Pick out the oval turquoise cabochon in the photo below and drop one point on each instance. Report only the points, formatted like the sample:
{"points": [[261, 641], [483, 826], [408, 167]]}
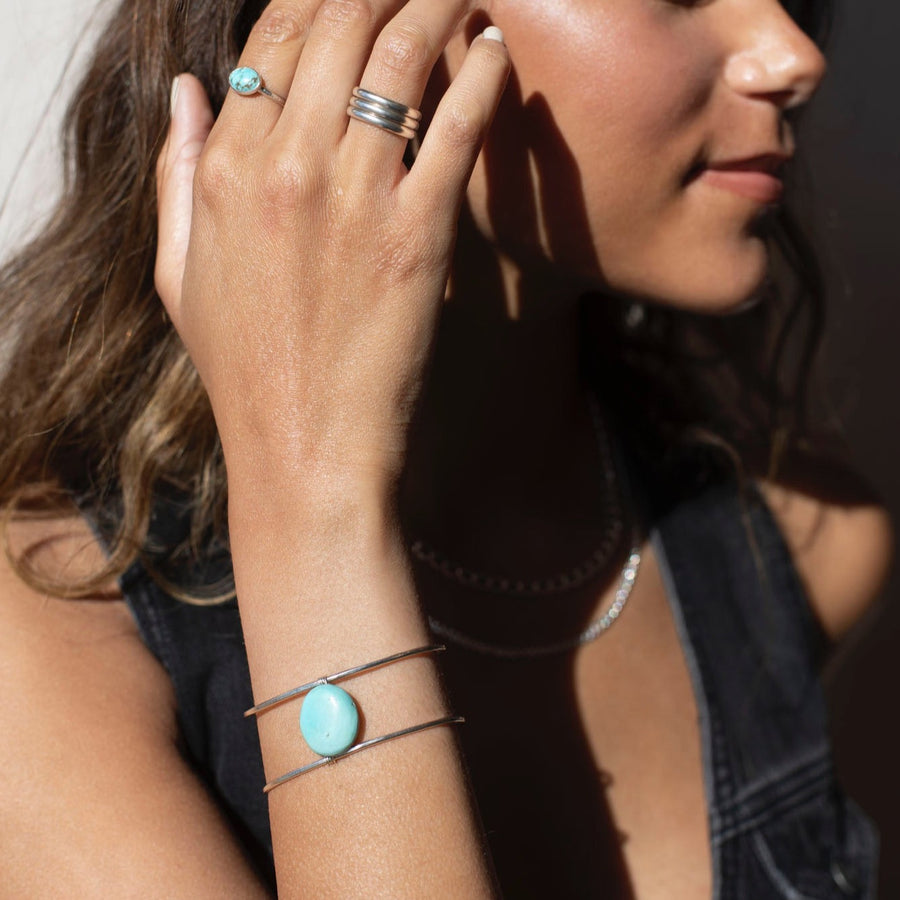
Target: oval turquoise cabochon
{"points": [[329, 720]]}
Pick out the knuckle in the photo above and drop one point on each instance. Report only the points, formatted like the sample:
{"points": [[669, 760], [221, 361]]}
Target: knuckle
{"points": [[280, 23], [408, 251], [460, 126], [495, 53], [215, 177], [344, 14], [285, 182], [404, 48], [187, 154]]}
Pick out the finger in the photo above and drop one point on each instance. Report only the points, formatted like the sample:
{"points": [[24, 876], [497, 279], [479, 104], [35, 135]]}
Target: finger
{"points": [[394, 62], [340, 40], [398, 69], [457, 131], [272, 49], [192, 119]]}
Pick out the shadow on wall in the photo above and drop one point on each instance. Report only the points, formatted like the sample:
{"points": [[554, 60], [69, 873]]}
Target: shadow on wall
{"points": [[851, 143]]}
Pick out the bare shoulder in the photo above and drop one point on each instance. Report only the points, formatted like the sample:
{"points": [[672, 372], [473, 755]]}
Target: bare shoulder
{"points": [[65, 548], [91, 778], [89, 638], [840, 535]]}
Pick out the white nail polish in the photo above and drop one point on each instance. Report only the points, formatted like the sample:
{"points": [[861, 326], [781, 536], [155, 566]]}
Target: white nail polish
{"points": [[173, 96], [492, 33]]}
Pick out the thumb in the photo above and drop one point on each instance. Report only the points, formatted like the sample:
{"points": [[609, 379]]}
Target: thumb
{"points": [[191, 122]]}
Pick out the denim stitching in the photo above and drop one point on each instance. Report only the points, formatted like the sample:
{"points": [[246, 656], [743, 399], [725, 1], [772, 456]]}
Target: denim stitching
{"points": [[785, 773], [764, 855], [801, 795]]}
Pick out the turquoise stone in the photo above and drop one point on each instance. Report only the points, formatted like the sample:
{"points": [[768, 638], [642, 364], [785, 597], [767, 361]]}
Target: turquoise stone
{"points": [[329, 720], [245, 80]]}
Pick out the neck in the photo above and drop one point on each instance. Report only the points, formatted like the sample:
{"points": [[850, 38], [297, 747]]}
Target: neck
{"points": [[503, 467]]}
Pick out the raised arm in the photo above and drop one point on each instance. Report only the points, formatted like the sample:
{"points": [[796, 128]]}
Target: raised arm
{"points": [[304, 268]]}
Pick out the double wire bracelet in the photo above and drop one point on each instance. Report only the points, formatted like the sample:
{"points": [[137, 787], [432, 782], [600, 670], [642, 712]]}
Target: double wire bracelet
{"points": [[329, 718]]}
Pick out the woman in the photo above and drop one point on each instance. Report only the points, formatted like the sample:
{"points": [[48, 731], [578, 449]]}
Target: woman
{"points": [[411, 375]]}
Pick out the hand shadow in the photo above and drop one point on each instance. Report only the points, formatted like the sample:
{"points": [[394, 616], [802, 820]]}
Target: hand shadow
{"points": [[540, 794]]}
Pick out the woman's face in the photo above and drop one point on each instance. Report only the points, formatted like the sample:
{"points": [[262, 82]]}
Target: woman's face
{"points": [[603, 155]]}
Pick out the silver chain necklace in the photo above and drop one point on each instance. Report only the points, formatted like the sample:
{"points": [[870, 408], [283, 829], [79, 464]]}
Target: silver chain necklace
{"points": [[555, 584], [592, 632]]}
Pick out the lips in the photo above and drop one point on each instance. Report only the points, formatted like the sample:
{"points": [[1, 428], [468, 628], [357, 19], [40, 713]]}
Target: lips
{"points": [[755, 178]]}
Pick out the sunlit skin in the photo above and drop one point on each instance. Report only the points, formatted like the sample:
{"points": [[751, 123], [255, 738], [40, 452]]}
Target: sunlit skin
{"points": [[305, 287], [586, 182], [639, 91], [305, 271]]}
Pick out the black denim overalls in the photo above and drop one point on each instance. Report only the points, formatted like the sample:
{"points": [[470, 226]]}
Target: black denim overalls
{"points": [[781, 827]]}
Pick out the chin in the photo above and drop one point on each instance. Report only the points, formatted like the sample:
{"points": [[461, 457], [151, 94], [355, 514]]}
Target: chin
{"points": [[719, 284]]}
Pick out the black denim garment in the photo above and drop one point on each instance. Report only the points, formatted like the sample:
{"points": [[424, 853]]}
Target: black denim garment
{"points": [[781, 827]]}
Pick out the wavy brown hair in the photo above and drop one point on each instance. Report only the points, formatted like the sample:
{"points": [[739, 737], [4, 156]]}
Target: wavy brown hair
{"points": [[102, 409]]}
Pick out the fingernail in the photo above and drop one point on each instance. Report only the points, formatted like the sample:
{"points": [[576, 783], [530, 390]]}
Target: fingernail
{"points": [[173, 96], [492, 33]]}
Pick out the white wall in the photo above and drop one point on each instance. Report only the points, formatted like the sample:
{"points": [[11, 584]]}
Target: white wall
{"points": [[36, 41]]}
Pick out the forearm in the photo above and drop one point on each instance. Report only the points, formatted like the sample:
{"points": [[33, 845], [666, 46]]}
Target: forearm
{"points": [[305, 268], [325, 585]]}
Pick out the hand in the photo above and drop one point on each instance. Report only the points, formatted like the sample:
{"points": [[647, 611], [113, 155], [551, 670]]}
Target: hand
{"points": [[303, 266]]}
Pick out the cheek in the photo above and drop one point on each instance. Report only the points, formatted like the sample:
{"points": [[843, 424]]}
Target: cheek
{"points": [[626, 84], [634, 132], [637, 126], [617, 99]]}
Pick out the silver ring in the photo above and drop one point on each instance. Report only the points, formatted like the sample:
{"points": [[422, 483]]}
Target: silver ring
{"points": [[400, 108], [247, 82], [389, 115]]}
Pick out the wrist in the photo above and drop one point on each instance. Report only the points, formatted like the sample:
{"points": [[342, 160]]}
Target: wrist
{"points": [[283, 474], [308, 508], [318, 555]]}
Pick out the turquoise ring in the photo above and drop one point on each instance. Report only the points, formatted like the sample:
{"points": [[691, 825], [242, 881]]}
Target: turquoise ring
{"points": [[247, 82]]}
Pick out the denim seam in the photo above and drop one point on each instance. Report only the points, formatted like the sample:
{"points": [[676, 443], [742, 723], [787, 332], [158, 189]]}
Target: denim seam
{"points": [[803, 794], [786, 773], [700, 699], [779, 879]]}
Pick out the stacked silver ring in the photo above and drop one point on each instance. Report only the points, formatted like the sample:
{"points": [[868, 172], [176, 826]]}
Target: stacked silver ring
{"points": [[373, 109]]}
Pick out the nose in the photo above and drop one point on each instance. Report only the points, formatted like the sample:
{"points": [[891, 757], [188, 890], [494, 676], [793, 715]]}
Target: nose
{"points": [[775, 59]]}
